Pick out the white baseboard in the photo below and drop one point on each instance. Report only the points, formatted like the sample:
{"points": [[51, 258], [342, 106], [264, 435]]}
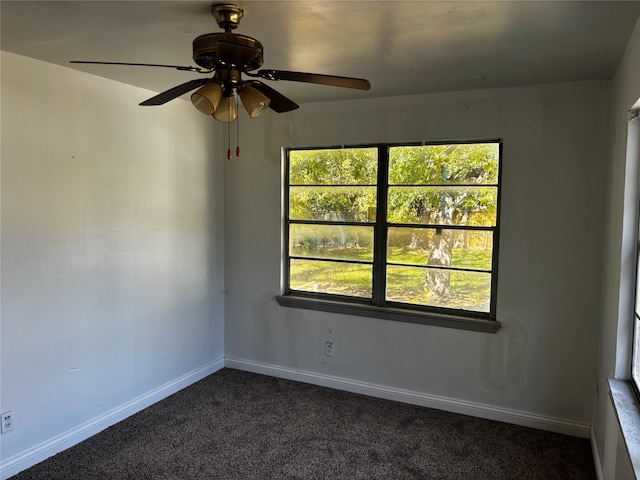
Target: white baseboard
{"points": [[516, 417], [596, 455], [30, 457]]}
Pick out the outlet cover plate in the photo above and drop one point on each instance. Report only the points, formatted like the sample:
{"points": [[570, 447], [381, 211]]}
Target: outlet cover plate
{"points": [[7, 422], [328, 349]]}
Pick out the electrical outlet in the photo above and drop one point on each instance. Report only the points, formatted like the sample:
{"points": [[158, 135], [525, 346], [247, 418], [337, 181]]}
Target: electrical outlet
{"points": [[7, 421], [328, 349]]}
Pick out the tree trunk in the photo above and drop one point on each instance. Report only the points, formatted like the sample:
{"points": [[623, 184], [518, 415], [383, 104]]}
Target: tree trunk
{"points": [[437, 281]]}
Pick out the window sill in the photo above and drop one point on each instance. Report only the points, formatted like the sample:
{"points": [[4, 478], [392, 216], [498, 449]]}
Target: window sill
{"points": [[627, 410], [394, 314]]}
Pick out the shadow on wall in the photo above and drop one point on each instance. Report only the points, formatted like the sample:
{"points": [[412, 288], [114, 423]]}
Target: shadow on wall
{"points": [[282, 348], [503, 371]]}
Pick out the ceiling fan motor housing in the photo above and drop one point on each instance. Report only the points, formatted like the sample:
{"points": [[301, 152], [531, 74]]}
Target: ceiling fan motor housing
{"points": [[228, 49]]}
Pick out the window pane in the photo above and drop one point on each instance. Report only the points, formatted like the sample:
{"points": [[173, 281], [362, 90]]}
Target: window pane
{"points": [[637, 292], [475, 163], [443, 205], [635, 365], [350, 204], [339, 242], [470, 249], [339, 278], [439, 288], [351, 166]]}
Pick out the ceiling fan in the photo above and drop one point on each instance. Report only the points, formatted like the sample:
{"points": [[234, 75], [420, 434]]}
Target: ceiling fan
{"points": [[228, 56]]}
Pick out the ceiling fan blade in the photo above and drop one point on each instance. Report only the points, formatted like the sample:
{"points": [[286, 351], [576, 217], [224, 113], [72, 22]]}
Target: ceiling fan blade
{"points": [[177, 67], [174, 92], [332, 80], [279, 103]]}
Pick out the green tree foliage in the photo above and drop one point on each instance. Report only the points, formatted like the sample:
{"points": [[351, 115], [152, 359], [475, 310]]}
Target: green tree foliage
{"points": [[347, 166], [332, 184], [350, 204], [458, 170]]}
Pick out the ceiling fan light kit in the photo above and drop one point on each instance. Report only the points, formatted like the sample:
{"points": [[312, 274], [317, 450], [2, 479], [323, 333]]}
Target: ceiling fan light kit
{"points": [[228, 55], [207, 99], [227, 110], [254, 101]]}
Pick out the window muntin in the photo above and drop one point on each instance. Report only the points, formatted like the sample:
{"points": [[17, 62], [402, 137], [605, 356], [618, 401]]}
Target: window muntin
{"points": [[409, 226]]}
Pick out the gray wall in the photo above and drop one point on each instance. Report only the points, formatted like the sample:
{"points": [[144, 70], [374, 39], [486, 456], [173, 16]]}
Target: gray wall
{"points": [[112, 252], [539, 369]]}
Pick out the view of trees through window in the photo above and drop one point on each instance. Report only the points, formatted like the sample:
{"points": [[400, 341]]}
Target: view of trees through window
{"points": [[399, 224]]}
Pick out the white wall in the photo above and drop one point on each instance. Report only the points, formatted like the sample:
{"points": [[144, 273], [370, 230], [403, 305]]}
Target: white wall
{"points": [[112, 252], [540, 366], [614, 345]]}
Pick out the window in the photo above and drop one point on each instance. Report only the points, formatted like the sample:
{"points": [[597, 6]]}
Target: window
{"points": [[635, 366], [625, 395], [397, 228], [632, 204]]}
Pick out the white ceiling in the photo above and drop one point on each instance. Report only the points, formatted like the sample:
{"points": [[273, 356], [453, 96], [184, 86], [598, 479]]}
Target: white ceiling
{"points": [[401, 47]]}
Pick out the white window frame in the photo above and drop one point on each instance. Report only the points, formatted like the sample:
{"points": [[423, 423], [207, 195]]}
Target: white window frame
{"points": [[633, 219], [624, 390]]}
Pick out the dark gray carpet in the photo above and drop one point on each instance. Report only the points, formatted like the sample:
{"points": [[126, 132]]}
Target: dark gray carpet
{"points": [[238, 425]]}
